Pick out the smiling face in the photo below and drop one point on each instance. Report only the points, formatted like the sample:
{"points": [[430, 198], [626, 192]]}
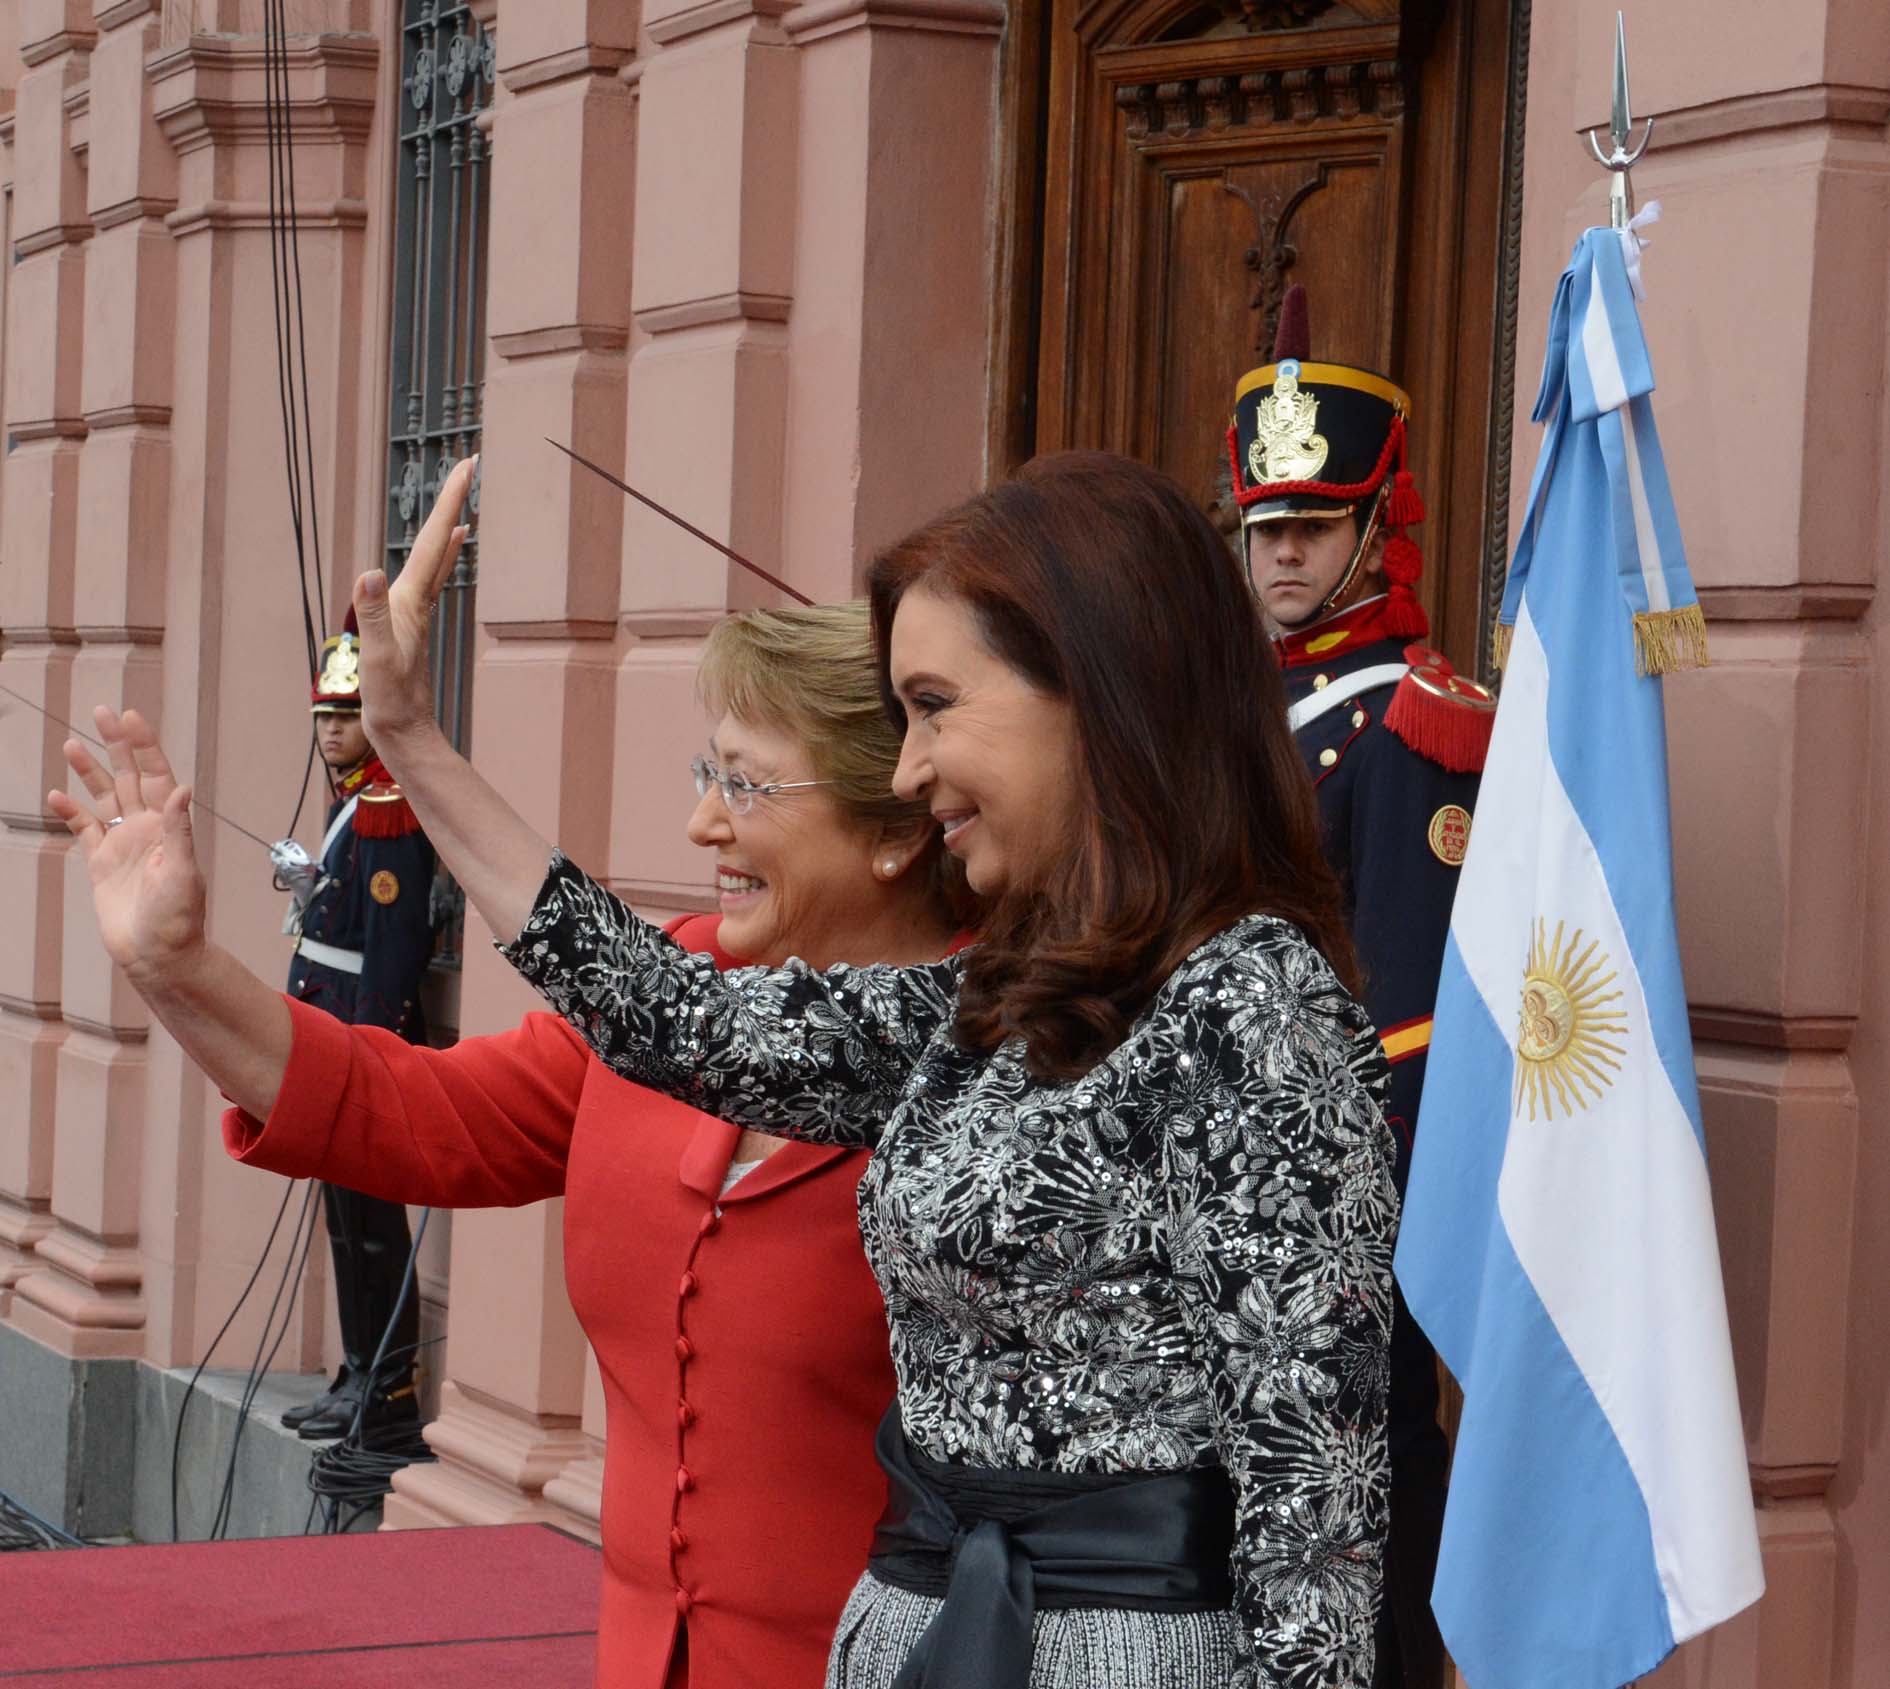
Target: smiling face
{"points": [[1296, 562], [341, 738], [795, 876], [995, 759]]}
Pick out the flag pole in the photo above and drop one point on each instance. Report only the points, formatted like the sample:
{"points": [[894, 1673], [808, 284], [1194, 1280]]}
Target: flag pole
{"points": [[1623, 152]]}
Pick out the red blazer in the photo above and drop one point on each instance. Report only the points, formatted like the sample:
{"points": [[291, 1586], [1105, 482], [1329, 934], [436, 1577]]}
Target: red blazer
{"points": [[743, 1353]]}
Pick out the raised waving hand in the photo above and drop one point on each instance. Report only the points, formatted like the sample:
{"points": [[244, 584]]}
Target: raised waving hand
{"points": [[136, 837]]}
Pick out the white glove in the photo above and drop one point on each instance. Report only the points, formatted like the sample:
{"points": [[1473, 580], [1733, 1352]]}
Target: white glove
{"points": [[295, 873]]}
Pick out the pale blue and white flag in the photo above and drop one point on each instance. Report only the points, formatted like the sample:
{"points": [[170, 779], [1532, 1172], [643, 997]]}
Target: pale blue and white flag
{"points": [[1558, 1242]]}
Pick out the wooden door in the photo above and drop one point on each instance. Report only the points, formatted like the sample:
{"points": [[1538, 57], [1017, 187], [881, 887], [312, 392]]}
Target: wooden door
{"points": [[1184, 162]]}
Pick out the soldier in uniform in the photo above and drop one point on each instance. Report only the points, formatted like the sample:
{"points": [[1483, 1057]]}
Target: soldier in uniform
{"points": [[1394, 741], [364, 936]]}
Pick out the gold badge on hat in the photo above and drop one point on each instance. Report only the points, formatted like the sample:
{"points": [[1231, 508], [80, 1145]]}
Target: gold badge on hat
{"points": [[1449, 835], [341, 668], [1286, 446], [384, 887]]}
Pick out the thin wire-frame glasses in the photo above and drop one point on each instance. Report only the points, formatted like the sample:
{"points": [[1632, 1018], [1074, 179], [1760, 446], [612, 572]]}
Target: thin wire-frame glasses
{"points": [[738, 791]]}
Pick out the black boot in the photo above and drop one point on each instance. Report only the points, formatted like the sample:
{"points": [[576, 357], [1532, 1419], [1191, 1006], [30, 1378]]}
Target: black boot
{"points": [[296, 1417], [369, 1242]]}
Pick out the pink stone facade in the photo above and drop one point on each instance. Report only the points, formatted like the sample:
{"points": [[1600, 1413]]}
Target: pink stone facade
{"points": [[743, 250]]}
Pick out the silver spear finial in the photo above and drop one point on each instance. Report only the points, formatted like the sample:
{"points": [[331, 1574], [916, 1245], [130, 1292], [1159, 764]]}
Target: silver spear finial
{"points": [[1624, 153]]}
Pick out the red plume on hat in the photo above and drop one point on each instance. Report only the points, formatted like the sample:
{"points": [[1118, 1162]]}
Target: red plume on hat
{"points": [[1293, 338]]}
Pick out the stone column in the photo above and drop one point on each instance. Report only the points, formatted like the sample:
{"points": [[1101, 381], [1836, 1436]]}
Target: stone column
{"points": [[557, 313]]}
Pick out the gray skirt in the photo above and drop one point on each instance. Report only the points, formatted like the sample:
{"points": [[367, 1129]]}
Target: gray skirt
{"points": [[1078, 1648]]}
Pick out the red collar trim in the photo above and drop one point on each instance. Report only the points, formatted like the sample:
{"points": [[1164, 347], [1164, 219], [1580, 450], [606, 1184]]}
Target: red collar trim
{"points": [[1321, 641], [373, 772]]}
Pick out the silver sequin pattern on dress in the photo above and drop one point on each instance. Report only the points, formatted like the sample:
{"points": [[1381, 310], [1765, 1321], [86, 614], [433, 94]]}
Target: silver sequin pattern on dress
{"points": [[1180, 1259]]}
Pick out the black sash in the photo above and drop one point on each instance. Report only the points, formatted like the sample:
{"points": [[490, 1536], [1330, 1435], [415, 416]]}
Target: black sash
{"points": [[999, 1544]]}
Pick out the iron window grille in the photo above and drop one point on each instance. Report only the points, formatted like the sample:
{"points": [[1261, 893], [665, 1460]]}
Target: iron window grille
{"points": [[442, 196]]}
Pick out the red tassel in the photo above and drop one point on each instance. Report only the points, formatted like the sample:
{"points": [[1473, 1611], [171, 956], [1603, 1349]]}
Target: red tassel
{"points": [[1403, 506], [1452, 735], [1404, 615], [1403, 561], [383, 813]]}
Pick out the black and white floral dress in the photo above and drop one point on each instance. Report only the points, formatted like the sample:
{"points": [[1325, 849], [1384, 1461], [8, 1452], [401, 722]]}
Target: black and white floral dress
{"points": [[1181, 1259]]}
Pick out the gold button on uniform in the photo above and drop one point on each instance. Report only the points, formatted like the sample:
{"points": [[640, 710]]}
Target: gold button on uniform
{"points": [[1358, 718], [1328, 757], [1321, 681]]}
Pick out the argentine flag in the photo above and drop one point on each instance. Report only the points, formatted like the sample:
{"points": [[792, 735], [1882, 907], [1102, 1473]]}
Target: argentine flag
{"points": [[1558, 1243]]}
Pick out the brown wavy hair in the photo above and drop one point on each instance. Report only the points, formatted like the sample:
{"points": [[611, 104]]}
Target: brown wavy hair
{"points": [[1098, 581]]}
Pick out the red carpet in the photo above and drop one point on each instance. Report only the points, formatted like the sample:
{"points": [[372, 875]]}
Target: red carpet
{"points": [[510, 1604]]}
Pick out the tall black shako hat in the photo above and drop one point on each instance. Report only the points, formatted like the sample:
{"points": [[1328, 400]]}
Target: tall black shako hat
{"points": [[1311, 439], [337, 688]]}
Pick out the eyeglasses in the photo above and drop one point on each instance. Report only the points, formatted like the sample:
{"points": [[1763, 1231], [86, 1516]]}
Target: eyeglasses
{"points": [[738, 791]]}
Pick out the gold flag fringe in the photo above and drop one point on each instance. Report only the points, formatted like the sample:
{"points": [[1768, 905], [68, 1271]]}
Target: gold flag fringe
{"points": [[1666, 640], [1500, 636]]}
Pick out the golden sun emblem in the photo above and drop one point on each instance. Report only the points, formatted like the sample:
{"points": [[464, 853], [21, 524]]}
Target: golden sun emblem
{"points": [[1568, 1037]]}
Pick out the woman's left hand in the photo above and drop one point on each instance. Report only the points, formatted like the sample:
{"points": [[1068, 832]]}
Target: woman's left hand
{"points": [[396, 622]]}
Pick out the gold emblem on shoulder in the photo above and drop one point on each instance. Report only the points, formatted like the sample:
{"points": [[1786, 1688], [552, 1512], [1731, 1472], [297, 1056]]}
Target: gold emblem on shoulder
{"points": [[1567, 1038], [1449, 835], [1286, 446], [384, 888]]}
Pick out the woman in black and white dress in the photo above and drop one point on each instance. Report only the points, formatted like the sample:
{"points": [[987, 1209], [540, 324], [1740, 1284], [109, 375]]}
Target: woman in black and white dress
{"points": [[1130, 1201]]}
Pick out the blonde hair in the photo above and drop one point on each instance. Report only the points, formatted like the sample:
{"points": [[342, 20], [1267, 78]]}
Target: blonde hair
{"points": [[812, 672]]}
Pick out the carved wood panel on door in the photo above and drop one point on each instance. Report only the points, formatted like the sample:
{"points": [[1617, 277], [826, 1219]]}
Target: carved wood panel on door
{"points": [[1184, 162]]}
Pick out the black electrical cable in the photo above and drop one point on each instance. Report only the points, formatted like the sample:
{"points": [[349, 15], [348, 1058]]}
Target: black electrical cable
{"points": [[294, 1264], [286, 298], [360, 1467], [183, 1407]]}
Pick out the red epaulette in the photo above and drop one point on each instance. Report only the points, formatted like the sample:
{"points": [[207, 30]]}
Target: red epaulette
{"points": [[383, 812], [1444, 717]]}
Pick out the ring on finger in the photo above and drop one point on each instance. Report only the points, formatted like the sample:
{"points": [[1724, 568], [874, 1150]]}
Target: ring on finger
{"points": [[114, 821]]}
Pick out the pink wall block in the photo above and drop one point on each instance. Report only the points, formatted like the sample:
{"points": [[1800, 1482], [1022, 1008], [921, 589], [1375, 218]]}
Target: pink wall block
{"points": [[128, 160], [1766, 813], [130, 315], [46, 309], [123, 530], [29, 1051], [650, 854], [48, 185], [724, 108], [98, 1155], [549, 544], [541, 29], [525, 1347], [559, 259], [31, 871], [707, 416], [1782, 1142], [33, 764]]}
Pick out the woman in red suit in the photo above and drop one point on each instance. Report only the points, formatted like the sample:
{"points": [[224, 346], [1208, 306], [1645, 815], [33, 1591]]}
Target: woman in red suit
{"points": [[728, 1551]]}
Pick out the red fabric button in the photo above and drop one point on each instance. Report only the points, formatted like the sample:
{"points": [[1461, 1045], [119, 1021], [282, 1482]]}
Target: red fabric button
{"points": [[683, 1603], [684, 1349], [685, 1415], [688, 1285], [711, 1224], [677, 1542], [684, 1483]]}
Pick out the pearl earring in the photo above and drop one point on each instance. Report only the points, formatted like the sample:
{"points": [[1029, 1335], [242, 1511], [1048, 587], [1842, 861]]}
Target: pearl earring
{"points": [[892, 867]]}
